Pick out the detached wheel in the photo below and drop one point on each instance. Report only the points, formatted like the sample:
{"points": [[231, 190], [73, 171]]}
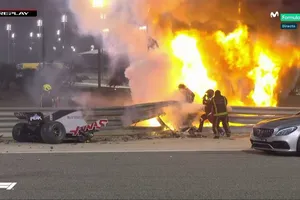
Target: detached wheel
{"points": [[53, 133], [19, 132]]}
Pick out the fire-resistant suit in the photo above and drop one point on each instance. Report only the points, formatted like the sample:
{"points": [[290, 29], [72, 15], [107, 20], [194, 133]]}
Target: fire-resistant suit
{"points": [[220, 114], [189, 97], [208, 110]]}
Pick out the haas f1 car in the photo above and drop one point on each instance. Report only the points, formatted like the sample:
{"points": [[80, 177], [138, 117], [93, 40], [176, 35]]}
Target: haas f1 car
{"points": [[55, 128]]}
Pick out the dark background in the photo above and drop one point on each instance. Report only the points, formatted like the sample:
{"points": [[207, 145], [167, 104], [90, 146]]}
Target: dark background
{"points": [[50, 11]]}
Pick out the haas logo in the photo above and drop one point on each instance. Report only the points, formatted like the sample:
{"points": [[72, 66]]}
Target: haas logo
{"points": [[90, 127]]}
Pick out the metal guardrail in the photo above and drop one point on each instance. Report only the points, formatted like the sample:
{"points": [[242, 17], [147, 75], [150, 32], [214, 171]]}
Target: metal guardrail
{"points": [[265, 110], [85, 84], [253, 115], [124, 116]]}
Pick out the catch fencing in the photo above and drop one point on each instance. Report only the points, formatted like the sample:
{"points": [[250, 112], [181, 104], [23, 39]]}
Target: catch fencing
{"points": [[241, 118]]}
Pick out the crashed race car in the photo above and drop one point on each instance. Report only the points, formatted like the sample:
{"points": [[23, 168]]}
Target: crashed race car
{"points": [[55, 128]]}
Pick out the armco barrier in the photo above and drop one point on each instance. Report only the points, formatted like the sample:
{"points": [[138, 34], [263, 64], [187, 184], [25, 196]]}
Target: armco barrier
{"points": [[252, 115], [265, 110], [122, 117]]}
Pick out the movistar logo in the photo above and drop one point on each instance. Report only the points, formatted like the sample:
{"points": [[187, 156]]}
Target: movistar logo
{"points": [[274, 14]]}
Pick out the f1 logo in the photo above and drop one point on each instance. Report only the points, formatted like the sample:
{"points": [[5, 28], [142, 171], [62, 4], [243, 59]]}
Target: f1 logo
{"points": [[7, 185], [274, 14]]}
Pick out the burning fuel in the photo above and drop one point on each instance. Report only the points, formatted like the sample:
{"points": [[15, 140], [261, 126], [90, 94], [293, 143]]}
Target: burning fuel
{"points": [[254, 62], [193, 73], [265, 77]]}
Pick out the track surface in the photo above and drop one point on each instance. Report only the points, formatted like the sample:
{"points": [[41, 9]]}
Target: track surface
{"points": [[159, 175]]}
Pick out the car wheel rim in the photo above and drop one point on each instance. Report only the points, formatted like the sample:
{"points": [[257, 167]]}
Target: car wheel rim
{"points": [[56, 131]]}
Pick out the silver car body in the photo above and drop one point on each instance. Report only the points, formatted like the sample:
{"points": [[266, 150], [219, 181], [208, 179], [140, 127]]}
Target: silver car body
{"points": [[279, 135]]}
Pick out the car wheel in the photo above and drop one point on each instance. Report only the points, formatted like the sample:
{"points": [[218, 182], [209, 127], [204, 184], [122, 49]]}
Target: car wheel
{"points": [[53, 132], [19, 132]]}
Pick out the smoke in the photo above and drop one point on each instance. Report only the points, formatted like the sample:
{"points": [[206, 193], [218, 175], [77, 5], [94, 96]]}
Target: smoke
{"points": [[118, 28], [92, 100], [150, 74], [35, 79], [141, 75]]}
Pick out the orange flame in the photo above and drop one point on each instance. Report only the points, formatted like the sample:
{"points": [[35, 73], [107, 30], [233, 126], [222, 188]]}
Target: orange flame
{"points": [[194, 73], [150, 122], [265, 77], [235, 46], [243, 54], [251, 60]]}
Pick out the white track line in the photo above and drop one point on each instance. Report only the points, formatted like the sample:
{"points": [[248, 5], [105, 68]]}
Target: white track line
{"points": [[124, 151]]}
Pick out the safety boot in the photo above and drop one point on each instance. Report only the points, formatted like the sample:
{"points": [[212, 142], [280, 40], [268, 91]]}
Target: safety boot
{"points": [[216, 137]]}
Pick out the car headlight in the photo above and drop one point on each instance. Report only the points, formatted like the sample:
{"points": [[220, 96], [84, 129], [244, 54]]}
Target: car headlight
{"points": [[285, 131]]}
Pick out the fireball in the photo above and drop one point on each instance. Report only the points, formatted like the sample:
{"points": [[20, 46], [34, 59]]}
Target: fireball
{"points": [[265, 77], [235, 46], [193, 72], [252, 61], [245, 56]]}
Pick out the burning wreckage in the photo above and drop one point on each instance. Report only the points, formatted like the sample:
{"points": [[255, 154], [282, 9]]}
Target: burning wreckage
{"points": [[267, 70], [80, 125]]}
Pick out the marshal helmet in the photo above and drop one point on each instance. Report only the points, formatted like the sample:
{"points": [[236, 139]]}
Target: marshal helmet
{"points": [[47, 87], [210, 93]]}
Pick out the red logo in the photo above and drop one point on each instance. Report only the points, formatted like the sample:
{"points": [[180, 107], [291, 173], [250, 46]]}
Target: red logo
{"points": [[90, 127]]}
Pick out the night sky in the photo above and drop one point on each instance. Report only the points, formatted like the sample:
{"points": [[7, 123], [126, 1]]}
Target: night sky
{"points": [[51, 11], [48, 10]]}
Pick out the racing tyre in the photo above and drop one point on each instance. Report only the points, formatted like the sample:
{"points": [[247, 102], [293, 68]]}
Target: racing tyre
{"points": [[53, 132], [19, 132]]}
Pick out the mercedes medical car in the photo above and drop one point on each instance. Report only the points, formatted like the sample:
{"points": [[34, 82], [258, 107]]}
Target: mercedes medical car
{"points": [[277, 135]]}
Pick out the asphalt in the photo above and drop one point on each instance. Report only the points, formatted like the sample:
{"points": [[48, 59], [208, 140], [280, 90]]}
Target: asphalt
{"points": [[174, 175]]}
